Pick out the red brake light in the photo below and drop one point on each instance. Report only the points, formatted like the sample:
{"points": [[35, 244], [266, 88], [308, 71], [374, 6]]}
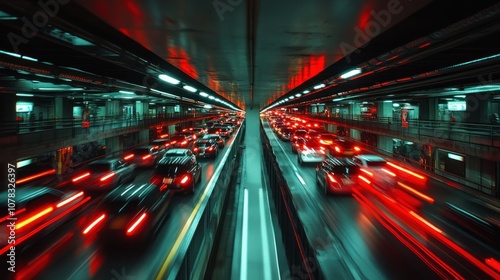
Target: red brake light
{"points": [[146, 157], [357, 149], [184, 143], [185, 179], [81, 177], [211, 148], [337, 149], [129, 156], [195, 149], [68, 200], [94, 223], [107, 176], [330, 177], [135, 225]]}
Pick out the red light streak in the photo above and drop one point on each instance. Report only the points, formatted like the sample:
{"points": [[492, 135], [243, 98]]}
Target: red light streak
{"points": [[48, 172], [17, 213], [185, 179], [131, 229], [366, 171], [128, 157], [493, 263], [417, 193], [388, 172], [81, 177], [34, 217], [94, 223], [429, 224], [364, 179], [146, 157], [62, 203], [108, 176], [406, 170]]}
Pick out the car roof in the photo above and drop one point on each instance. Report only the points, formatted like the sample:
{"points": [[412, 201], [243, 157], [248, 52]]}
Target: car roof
{"points": [[104, 161], [369, 157], [179, 151], [180, 160], [129, 192], [206, 136], [339, 161]]}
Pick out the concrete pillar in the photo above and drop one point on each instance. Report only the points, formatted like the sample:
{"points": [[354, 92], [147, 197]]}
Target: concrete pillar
{"points": [[63, 108], [384, 143], [8, 112], [144, 136], [114, 144], [141, 109], [355, 109], [428, 109], [384, 109], [114, 108]]}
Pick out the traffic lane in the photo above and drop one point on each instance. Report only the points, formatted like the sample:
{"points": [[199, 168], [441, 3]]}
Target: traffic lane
{"points": [[83, 258], [367, 247]]}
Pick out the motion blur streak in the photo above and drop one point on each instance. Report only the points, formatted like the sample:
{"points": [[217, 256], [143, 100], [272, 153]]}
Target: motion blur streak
{"points": [[406, 170], [417, 193], [388, 172], [366, 171], [132, 228], [433, 261], [43, 260], [81, 177], [48, 172], [62, 203], [33, 232], [35, 217], [493, 263], [108, 176], [425, 222], [17, 213], [364, 179], [94, 223]]}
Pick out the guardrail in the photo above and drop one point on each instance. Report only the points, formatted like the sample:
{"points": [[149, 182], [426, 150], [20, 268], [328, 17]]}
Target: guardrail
{"points": [[198, 236], [298, 250]]}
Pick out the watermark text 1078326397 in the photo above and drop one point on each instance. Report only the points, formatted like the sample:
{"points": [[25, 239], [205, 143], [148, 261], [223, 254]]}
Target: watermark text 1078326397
{"points": [[11, 217]]}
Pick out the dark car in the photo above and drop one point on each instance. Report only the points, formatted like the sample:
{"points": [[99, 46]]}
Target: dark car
{"points": [[206, 148], [162, 143], [128, 213], [220, 141], [177, 174], [144, 156], [102, 175], [286, 133], [297, 144], [38, 211], [299, 133], [180, 141], [342, 147], [337, 175]]}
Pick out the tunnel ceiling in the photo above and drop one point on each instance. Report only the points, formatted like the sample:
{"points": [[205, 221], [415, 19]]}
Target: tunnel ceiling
{"points": [[253, 53]]}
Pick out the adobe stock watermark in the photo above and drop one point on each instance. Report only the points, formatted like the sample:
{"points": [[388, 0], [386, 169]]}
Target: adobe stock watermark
{"points": [[39, 20], [222, 6], [373, 28]]}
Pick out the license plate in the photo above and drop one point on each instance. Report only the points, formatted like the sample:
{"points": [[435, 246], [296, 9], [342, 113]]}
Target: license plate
{"points": [[347, 181], [167, 181], [118, 223]]}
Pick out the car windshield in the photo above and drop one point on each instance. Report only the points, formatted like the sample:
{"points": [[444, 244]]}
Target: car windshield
{"points": [[300, 133], [175, 153], [203, 144], [99, 167]]}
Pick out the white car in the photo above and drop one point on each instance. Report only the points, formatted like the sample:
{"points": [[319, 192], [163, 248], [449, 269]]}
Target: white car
{"points": [[310, 153], [370, 161], [178, 152]]}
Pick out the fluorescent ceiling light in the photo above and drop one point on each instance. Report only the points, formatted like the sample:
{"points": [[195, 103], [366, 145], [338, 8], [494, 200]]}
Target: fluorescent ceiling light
{"points": [[204, 94], [24, 94], [11, 53], [388, 101], [211, 97], [459, 96], [291, 97], [206, 106], [29, 58], [168, 79], [189, 88], [305, 92], [351, 73], [338, 99], [319, 86], [60, 89], [126, 92], [298, 95]]}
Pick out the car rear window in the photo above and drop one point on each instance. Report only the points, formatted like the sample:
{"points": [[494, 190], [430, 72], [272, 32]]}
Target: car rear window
{"points": [[99, 167], [170, 170], [141, 151], [346, 170]]}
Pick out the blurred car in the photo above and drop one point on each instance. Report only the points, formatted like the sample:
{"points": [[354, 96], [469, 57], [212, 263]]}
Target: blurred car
{"points": [[177, 174], [179, 141], [38, 212], [370, 161], [206, 148], [286, 133], [220, 141], [299, 133], [298, 144], [179, 153], [327, 139], [128, 213], [337, 175], [223, 131], [162, 143], [190, 134], [144, 156], [311, 151], [200, 131], [102, 175], [342, 147]]}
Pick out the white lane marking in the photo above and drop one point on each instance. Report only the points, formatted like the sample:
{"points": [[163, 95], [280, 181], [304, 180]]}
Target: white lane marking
{"points": [[244, 238], [263, 234], [302, 181], [272, 232]]}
